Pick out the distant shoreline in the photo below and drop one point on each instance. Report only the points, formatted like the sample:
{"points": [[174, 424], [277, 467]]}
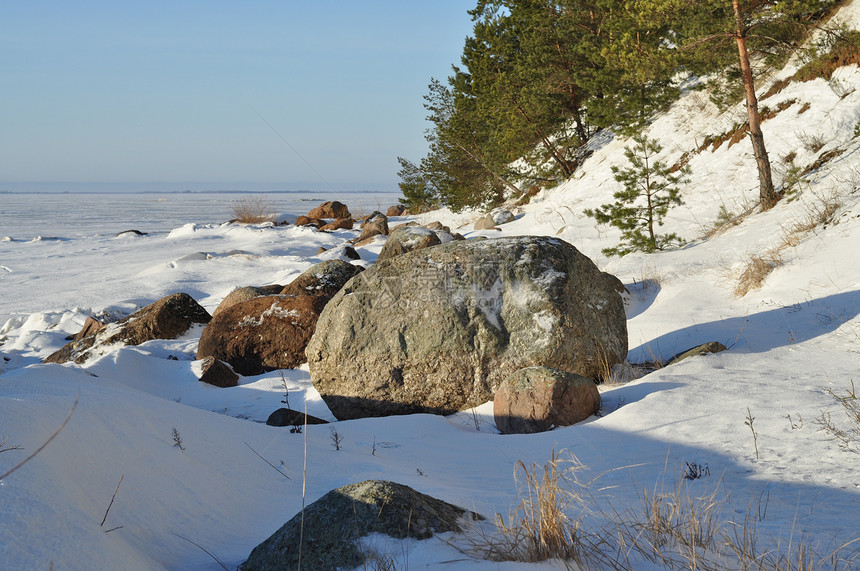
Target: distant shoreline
{"points": [[223, 191], [236, 187]]}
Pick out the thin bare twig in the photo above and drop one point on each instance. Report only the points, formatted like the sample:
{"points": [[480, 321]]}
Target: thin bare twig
{"points": [[48, 441], [104, 519], [204, 550], [267, 462]]}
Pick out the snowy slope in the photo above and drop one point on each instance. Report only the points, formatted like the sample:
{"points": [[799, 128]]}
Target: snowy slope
{"points": [[790, 341]]}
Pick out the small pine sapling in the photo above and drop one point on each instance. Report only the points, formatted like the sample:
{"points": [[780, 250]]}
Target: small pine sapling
{"points": [[336, 439], [649, 190], [177, 439]]}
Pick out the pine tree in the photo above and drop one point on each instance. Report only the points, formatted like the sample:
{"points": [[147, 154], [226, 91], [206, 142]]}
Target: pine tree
{"points": [[649, 190], [419, 194], [712, 29]]}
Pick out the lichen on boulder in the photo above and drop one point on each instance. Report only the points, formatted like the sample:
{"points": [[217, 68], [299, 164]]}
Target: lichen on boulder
{"points": [[437, 330]]}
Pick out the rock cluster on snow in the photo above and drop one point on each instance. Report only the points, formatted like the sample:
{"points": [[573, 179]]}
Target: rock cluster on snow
{"points": [[167, 318]]}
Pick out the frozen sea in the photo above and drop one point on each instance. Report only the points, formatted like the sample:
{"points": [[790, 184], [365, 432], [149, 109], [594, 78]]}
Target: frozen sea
{"points": [[26, 216]]}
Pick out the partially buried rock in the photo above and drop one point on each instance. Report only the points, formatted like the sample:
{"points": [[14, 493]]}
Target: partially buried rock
{"points": [[704, 349], [125, 233], [322, 280], [339, 252], [501, 215], [536, 399], [290, 417], [339, 224], [91, 327], [396, 210], [326, 534], [271, 332], [437, 330], [330, 209], [374, 225], [167, 318], [218, 373], [406, 239], [306, 221]]}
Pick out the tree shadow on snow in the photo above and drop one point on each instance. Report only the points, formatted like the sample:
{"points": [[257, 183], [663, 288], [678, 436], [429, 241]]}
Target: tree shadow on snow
{"points": [[639, 297], [780, 326]]}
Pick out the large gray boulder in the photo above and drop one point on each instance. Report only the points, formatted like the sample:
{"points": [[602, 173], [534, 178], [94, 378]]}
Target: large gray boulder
{"points": [[437, 330], [330, 527]]}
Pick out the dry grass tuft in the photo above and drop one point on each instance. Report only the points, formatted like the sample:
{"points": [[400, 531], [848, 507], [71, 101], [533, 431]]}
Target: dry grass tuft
{"points": [[754, 273], [540, 528], [848, 438], [673, 527], [253, 210], [819, 212], [812, 143], [676, 528]]}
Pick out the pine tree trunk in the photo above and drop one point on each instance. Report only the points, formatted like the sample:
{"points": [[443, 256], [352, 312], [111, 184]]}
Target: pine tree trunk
{"points": [[767, 194], [490, 171]]}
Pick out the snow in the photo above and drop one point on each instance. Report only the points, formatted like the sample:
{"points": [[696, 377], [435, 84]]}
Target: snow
{"points": [[790, 343]]}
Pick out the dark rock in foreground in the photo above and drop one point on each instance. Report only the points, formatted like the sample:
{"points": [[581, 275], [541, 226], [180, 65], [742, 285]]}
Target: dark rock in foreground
{"points": [[290, 417], [333, 524], [437, 330], [218, 373]]}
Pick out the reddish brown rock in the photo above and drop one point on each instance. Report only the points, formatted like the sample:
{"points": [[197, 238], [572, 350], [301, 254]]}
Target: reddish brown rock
{"points": [[91, 327], [330, 209], [167, 318], [218, 373], [244, 294], [396, 210], [262, 334], [308, 221], [536, 399], [339, 224], [374, 225]]}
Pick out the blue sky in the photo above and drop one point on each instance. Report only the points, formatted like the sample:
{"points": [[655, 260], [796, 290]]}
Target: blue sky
{"points": [[161, 91]]}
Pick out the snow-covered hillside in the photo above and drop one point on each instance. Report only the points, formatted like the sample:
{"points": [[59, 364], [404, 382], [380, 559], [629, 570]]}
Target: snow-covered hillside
{"points": [[752, 414]]}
